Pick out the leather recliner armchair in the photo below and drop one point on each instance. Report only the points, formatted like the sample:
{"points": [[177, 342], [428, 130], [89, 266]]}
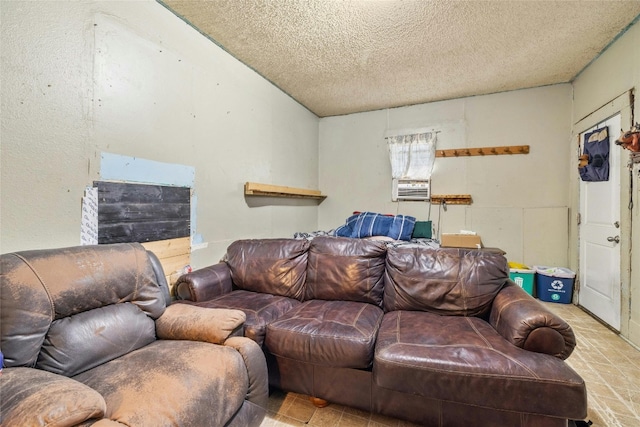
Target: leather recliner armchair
{"points": [[89, 338]]}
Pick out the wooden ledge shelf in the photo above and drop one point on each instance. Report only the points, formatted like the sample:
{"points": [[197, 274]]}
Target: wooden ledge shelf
{"points": [[266, 190], [483, 151], [451, 199]]}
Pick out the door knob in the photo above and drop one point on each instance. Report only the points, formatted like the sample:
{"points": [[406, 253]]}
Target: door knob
{"points": [[613, 239]]}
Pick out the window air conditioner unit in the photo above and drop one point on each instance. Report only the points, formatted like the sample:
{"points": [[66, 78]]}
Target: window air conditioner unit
{"points": [[411, 190]]}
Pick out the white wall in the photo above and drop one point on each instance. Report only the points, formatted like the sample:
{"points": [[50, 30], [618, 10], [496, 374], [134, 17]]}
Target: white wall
{"points": [[520, 202], [130, 78], [615, 72]]}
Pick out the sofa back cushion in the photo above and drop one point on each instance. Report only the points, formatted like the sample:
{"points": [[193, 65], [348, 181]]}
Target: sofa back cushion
{"points": [[271, 266], [112, 330], [346, 269], [61, 308], [458, 282]]}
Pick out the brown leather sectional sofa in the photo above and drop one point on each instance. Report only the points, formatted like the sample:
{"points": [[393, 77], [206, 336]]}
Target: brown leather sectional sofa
{"points": [[88, 339], [439, 337]]}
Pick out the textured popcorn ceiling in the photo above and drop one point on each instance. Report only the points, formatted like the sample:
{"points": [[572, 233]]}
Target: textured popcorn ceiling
{"points": [[340, 57]]}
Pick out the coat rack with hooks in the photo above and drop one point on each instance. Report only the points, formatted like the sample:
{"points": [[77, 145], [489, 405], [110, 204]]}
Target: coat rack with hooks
{"points": [[483, 151], [451, 199]]}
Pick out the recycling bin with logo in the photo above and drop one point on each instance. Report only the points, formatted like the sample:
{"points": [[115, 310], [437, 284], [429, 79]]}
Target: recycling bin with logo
{"points": [[554, 284]]}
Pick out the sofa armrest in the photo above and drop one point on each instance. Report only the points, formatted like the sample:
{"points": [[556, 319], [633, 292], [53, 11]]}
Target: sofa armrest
{"points": [[205, 283], [189, 322], [255, 361], [527, 324], [40, 398]]}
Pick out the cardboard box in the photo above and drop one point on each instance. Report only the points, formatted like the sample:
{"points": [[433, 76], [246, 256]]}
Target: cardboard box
{"points": [[471, 241]]}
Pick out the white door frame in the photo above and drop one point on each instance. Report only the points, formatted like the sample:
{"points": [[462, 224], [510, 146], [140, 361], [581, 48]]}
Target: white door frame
{"points": [[622, 105]]}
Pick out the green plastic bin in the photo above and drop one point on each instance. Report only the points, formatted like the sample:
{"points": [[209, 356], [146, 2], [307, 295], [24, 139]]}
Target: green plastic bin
{"points": [[523, 278]]}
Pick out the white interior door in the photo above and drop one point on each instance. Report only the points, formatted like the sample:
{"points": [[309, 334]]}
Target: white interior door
{"points": [[599, 237]]}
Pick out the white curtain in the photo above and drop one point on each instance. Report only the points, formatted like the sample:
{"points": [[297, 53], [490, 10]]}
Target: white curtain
{"points": [[412, 156]]}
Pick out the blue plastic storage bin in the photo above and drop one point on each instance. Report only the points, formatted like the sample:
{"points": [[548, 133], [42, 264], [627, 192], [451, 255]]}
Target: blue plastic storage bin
{"points": [[554, 284]]}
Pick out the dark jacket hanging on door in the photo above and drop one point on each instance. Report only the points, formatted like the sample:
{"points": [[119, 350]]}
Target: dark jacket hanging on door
{"points": [[596, 146]]}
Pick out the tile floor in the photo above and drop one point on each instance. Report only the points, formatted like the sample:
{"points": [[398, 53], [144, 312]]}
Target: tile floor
{"points": [[609, 365]]}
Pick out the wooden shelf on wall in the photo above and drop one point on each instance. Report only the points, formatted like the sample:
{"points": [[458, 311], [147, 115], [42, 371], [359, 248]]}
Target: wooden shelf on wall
{"points": [[267, 190], [483, 151], [451, 199]]}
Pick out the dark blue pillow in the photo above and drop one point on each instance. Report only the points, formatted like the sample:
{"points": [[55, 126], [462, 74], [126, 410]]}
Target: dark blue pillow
{"points": [[402, 227], [371, 224], [347, 229]]}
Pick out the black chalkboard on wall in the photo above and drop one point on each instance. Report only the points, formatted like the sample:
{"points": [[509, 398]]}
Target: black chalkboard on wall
{"points": [[142, 213]]}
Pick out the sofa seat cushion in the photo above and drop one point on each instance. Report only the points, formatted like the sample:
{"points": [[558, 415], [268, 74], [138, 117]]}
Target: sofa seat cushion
{"points": [[260, 309], [339, 334], [187, 382], [463, 359]]}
